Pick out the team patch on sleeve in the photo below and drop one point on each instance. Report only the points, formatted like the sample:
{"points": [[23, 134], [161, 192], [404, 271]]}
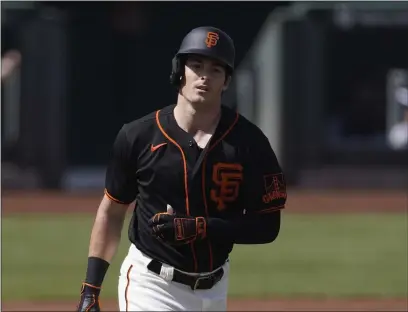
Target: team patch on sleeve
{"points": [[275, 189]]}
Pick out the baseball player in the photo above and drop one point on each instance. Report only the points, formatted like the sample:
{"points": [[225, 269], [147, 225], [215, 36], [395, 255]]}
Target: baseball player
{"points": [[203, 177]]}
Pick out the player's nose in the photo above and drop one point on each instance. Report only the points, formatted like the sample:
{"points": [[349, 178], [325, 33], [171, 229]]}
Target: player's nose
{"points": [[206, 72], [205, 78]]}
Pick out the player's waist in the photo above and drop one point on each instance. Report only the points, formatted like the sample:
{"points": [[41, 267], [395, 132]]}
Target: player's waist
{"points": [[144, 259], [205, 280]]}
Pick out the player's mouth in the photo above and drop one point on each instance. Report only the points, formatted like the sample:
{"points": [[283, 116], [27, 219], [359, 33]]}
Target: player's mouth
{"points": [[203, 88]]}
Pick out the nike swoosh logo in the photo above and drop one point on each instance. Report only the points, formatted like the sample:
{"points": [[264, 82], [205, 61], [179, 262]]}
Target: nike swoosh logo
{"points": [[156, 147]]}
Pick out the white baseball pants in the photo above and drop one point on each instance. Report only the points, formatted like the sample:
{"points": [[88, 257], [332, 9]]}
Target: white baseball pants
{"points": [[142, 290]]}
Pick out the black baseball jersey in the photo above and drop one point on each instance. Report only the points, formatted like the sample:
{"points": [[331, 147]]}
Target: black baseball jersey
{"points": [[235, 177]]}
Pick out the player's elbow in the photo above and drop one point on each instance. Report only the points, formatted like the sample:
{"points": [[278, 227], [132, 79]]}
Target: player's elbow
{"points": [[271, 231], [264, 229], [272, 235], [260, 238]]}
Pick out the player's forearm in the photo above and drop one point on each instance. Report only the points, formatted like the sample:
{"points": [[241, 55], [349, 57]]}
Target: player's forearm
{"points": [[105, 236], [260, 229]]}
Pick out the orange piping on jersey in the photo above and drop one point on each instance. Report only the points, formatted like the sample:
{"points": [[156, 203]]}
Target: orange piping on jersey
{"points": [[113, 198], [127, 287], [185, 179], [203, 181], [184, 161], [272, 209]]}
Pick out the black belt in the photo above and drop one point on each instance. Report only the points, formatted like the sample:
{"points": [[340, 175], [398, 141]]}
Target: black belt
{"points": [[195, 282]]}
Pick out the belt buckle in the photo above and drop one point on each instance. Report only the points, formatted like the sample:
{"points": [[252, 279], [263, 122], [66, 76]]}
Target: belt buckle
{"points": [[197, 281]]}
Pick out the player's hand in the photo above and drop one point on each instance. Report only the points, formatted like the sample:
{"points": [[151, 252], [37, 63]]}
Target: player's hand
{"points": [[177, 230], [89, 298]]}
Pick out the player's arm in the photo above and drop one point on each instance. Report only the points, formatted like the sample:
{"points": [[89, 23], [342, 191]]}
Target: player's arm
{"points": [[265, 196], [105, 239], [120, 191], [254, 229]]}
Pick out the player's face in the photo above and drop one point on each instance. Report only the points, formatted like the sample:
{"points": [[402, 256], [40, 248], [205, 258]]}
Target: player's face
{"points": [[204, 81]]}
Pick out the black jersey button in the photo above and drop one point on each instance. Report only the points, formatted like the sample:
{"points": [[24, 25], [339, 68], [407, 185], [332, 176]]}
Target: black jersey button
{"points": [[190, 143]]}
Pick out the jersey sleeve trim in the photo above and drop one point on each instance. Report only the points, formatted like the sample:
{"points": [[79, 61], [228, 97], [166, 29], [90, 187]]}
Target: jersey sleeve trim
{"points": [[114, 199], [271, 209]]}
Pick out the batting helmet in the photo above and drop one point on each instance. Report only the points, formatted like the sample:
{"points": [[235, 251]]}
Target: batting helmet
{"points": [[207, 41]]}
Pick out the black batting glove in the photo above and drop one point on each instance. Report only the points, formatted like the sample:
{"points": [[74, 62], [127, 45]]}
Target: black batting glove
{"points": [[89, 298], [177, 230]]}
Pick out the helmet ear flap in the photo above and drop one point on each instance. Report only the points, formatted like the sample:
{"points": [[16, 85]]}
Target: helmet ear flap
{"points": [[177, 71]]}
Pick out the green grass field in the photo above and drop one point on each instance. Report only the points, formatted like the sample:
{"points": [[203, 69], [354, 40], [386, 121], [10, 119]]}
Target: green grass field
{"points": [[44, 258]]}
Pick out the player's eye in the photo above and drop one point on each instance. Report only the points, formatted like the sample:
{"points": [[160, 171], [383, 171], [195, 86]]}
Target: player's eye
{"points": [[195, 65]]}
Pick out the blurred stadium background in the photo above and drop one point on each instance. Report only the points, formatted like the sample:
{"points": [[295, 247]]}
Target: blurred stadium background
{"points": [[326, 82]]}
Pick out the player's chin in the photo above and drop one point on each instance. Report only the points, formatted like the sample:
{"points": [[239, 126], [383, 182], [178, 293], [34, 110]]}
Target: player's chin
{"points": [[199, 99]]}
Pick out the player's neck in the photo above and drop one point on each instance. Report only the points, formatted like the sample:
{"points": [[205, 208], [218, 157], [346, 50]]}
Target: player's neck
{"points": [[192, 120]]}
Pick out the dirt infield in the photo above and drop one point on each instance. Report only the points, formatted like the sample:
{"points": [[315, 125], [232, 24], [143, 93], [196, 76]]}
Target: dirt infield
{"points": [[298, 202]]}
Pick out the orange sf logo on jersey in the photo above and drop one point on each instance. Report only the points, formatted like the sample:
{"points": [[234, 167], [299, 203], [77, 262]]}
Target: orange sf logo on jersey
{"points": [[212, 39], [227, 177]]}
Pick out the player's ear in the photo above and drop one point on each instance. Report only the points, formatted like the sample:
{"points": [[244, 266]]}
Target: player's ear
{"points": [[226, 83], [182, 81]]}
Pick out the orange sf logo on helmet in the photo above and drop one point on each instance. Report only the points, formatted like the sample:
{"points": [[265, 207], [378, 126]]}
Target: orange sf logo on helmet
{"points": [[212, 39]]}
